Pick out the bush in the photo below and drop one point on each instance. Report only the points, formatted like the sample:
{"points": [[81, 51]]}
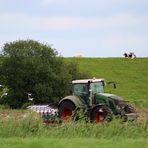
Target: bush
{"points": [[31, 67]]}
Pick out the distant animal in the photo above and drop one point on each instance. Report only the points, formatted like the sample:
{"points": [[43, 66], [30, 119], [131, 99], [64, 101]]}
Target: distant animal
{"points": [[131, 55]]}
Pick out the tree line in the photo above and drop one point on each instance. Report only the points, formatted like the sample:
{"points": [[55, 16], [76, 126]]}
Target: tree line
{"points": [[30, 69]]}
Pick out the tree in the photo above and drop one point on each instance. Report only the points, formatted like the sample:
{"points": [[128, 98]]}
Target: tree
{"points": [[32, 67]]}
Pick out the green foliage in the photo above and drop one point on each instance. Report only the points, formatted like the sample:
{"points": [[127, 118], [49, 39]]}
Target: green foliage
{"points": [[31, 67]]}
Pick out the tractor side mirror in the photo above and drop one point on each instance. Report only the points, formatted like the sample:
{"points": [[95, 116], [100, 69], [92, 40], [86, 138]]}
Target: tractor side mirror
{"points": [[114, 84]]}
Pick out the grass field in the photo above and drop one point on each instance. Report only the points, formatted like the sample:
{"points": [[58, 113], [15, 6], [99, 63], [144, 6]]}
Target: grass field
{"points": [[19, 129], [73, 143]]}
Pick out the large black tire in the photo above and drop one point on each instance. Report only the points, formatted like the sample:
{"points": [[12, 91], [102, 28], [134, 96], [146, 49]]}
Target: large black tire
{"points": [[101, 114], [66, 109]]}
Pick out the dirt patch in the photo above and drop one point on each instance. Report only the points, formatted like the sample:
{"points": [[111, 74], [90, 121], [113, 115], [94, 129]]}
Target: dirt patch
{"points": [[142, 114], [6, 115]]}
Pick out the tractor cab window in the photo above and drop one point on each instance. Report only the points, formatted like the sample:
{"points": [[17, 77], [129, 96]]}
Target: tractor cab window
{"points": [[80, 90], [97, 87]]}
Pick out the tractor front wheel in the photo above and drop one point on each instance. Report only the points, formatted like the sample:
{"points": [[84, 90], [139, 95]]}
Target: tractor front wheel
{"points": [[66, 109]]}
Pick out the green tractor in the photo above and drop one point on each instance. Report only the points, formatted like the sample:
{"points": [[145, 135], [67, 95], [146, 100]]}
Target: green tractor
{"points": [[97, 106]]}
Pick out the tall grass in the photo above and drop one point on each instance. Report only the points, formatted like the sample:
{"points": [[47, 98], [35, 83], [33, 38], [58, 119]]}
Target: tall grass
{"points": [[27, 130], [23, 125], [115, 129], [31, 126]]}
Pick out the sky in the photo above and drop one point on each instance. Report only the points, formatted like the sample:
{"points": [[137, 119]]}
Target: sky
{"points": [[92, 28]]}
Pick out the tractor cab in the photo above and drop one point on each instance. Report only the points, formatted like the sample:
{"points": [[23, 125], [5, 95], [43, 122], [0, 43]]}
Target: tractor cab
{"points": [[86, 85], [87, 88]]}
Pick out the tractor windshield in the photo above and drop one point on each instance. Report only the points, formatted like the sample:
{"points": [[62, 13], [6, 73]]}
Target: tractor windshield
{"points": [[80, 89], [97, 87]]}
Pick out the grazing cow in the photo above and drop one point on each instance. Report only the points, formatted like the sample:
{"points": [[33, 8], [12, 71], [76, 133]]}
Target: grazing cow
{"points": [[131, 55]]}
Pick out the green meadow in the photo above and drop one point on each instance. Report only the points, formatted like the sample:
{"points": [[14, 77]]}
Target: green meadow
{"points": [[72, 143], [22, 129]]}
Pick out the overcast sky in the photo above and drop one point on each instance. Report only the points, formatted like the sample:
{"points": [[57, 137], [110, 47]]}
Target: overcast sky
{"points": [[93, 28]]}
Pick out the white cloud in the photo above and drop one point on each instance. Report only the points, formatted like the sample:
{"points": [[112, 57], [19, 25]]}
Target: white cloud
{"points": [[20, 20]]}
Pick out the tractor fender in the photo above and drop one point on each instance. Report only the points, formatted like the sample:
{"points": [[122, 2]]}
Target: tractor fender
{"points": [[74, 99]]}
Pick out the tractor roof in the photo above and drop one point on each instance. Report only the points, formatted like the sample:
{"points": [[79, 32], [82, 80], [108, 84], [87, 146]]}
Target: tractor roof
{"points": [[86, 80]]}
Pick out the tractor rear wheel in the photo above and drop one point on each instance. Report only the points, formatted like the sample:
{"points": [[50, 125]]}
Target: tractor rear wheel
{"points": [[100, 114], [66, 109]]}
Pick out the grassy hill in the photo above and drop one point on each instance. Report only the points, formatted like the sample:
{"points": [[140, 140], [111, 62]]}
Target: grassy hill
{"points": [[131, 75]]}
